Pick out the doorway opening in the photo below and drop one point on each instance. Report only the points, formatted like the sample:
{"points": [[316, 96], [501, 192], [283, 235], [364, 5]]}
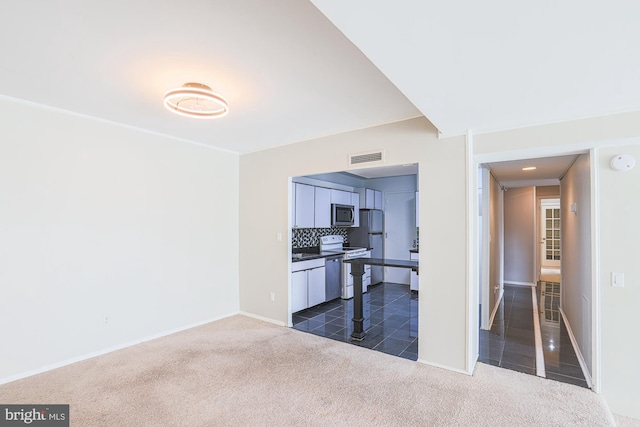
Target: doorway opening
{"points": [[533, 326], [549, 254], [381, 195]]}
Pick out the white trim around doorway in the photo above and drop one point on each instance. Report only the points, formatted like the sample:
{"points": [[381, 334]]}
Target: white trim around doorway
{"points": [[596, 325], [473, 162]]}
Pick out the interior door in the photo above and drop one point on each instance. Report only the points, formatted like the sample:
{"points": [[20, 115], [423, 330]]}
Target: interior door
{"points": [[550, 233], [400, 232]]}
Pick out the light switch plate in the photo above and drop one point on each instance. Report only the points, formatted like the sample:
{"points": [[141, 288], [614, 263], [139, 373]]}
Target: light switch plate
{"points": [[617, 280]]}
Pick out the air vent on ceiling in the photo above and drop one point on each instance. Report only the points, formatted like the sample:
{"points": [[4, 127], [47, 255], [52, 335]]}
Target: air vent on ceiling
{"points": [[370, 157]]}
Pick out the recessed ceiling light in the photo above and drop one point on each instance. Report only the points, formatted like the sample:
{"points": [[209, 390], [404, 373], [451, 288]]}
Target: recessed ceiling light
{"points": [[196, 100], [529, 168]]}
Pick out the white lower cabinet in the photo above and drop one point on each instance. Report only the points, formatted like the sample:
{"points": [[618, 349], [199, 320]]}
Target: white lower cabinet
{"points": [[347, 291], [307, 284], [414, 276], [299, 292], [316, 286], [366, 278]]}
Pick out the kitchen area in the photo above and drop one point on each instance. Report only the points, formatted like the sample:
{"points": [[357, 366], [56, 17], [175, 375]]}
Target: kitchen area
{"points": [[342, 217]]}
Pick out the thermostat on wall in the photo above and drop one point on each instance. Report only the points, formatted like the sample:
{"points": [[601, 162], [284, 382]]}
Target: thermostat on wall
{"points": [[623, 162]]}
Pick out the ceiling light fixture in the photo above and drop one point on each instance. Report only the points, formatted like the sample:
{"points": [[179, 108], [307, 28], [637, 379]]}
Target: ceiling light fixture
{"points": [[529, 168], [196, 100]]}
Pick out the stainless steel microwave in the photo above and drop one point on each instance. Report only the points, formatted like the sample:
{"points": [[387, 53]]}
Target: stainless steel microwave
{"points": [[342, 215]]}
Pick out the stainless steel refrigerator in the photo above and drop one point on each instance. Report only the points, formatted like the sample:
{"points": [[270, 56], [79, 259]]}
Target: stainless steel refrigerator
{"points": [[369, 235]]}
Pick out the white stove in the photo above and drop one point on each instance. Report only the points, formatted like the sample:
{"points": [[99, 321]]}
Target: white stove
{"points": [[335, 243]]}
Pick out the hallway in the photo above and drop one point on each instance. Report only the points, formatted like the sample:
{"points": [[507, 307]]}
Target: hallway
{"points": [[511, 342]]}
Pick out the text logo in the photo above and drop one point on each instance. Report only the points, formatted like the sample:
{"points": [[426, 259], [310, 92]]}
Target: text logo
{"points": [[34, 415]]}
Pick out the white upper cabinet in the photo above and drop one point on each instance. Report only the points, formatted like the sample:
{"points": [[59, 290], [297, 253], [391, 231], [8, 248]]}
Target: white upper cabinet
{"points": [[322, 207], [377, 199], [340, 197], [304, 202], [372, 199], [355, 201], [311, 205]]}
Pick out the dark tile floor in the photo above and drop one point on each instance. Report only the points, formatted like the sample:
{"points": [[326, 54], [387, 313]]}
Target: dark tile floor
{"points": [[560, 360], [511, 343], [393, 320]]}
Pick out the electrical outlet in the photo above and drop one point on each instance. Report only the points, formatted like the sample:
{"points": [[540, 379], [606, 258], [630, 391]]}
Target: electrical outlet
{"points": [[272, 296], [106, 319]]}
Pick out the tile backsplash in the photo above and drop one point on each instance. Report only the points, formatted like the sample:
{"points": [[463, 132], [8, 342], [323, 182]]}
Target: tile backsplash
{"points": [[308, 237]]}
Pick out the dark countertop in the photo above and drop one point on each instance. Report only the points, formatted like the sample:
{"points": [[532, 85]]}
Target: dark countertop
{"points": [[304, 256], [386, 262], [414, 250], [313, 252]]}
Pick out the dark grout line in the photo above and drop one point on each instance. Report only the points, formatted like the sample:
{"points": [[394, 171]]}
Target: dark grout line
{"points": [[514, 319], [396, 308]]}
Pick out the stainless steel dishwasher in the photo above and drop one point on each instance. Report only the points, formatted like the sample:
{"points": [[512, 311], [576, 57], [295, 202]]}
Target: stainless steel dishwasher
{"points": [[333, 277]]}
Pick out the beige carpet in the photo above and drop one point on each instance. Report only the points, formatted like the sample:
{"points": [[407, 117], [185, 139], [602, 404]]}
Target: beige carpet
{"points": [[243, 372]]}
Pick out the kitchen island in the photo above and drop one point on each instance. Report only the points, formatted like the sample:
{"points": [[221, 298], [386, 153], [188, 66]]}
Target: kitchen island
{"points": [[357, 271]]}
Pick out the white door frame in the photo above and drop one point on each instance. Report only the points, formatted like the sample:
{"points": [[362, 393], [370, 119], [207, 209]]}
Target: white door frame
{"points": [[485, 250], [473, 161], [546, 203]]}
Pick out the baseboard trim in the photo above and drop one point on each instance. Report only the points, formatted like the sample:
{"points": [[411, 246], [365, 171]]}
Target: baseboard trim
{"points": [[576, 349], [540, 367], [448, 368], [264, 319], [495, 308], [111, 349], [515, 283], [474, 363]]}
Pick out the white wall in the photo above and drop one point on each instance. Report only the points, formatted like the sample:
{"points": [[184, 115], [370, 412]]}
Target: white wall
{"points": [[491, 236], [264, 201], [619, 252], [519, 236], [575, 228], [444, 322], [101, 221], [496, 244]]}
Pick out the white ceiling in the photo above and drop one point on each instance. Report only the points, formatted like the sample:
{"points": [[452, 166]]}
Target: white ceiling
{"points": [[548, 171], [290, 75], [500, 64]]}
